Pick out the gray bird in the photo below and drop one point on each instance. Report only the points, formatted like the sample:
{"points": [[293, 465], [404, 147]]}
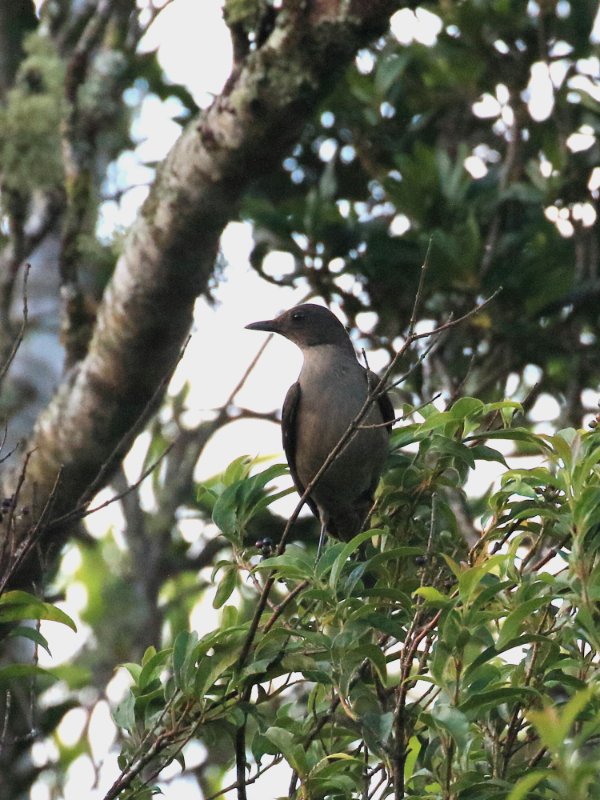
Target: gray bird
{"points": [[330, 391]]}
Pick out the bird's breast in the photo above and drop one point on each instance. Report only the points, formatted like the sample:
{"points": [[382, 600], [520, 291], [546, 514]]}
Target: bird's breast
{"points": [[332, 392]]}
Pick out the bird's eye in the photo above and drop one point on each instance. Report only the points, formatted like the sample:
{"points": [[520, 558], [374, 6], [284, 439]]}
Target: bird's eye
{"points": [[297, 316]]}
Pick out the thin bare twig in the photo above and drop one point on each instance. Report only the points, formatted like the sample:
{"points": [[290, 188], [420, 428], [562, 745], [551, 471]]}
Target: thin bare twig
{"points": [[403, 417], [30, 539], [139, 759], [7, 544], [7, 707], [19, 337], [12, 450], [420, 288], [278, 610], [153, 12], [82, 511], [248, 781]]}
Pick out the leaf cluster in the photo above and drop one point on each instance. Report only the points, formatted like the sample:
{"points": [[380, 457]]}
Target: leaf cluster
{"points": [[405, 662], [385, 174]]}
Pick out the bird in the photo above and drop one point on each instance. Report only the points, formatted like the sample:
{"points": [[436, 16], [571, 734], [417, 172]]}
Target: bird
{"points": [[318, 408]]}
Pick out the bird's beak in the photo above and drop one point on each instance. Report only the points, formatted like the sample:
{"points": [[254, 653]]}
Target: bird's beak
{"points": [[269, 325]]}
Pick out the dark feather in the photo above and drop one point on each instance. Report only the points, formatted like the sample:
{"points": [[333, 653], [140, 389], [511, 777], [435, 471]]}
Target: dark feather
{"points": [[383, 401], [288, 433]]}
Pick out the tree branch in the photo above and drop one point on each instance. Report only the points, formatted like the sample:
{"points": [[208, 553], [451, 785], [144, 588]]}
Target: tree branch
{"points": [[169, 254]]}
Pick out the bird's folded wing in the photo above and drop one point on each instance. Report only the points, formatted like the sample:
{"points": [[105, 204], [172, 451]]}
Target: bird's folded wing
{"points": [[289, 417], [383, 401]]}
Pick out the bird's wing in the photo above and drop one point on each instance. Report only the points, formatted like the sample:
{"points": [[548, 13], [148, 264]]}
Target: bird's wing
{"points": [[289, 416], [383, 401]]}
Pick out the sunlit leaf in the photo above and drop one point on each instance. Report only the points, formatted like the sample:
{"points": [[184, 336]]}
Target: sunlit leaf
{"points": [[17, 605]]}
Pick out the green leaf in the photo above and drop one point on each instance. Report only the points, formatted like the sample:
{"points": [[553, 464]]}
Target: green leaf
{"points": [[437, 420], [432, 596], [18, 671], [494, 650], [30, 633], [345, 554], [133, 669], [226, 586], [224, 513], [510, 407], [211, 668], [375, 656], [564, 443], [451, 447], [512, 624], [482, 452], [339, 785], [402, 437], [334, 776], [307, 665], [261, 746], [413, 750], [286, 743], [229, 617], [586, 513], [387, 624], [124, 713], [389, 559], [554, 728], [485, 596], [149, 653], [483, 701], [466, 407], [389, 71], [573, 708], [237, 470], [152, 667], [452, 720], [524, 785], [183, 659], [378, 726], [244, 498], [470, 578], [17, 605], [295, 564]]}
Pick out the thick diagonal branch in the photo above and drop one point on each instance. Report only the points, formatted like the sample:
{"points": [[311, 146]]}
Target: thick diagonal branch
{"points": [[169, 254]]}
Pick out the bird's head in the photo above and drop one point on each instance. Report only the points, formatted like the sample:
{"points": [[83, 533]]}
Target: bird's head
{"points": [[306, 325]]}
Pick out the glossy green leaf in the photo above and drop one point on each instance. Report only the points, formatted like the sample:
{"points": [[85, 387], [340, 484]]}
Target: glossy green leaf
{"points": [[345, 554], [466, 407], [286, 743], [484, 701], [432, 596], [18, 605], [30, 633], [124, 713], [211, 668], [226, 586], [512, 624], [183, 658], [152, 667]]}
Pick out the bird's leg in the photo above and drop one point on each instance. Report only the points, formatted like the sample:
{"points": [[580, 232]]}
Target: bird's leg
{"points": [[321, 538]]}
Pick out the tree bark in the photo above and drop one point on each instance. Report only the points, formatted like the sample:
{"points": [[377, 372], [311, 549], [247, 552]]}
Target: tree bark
{"points": [[170, 251]]}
